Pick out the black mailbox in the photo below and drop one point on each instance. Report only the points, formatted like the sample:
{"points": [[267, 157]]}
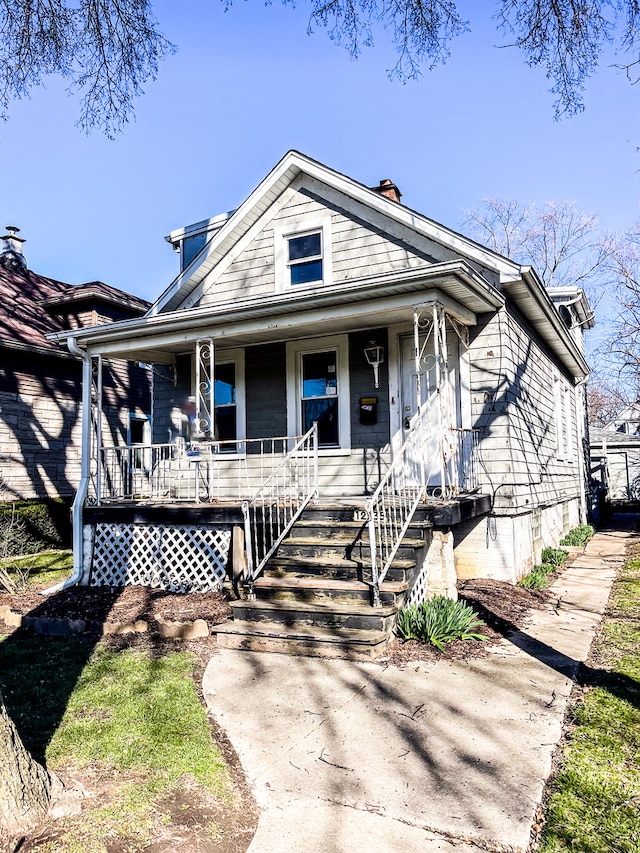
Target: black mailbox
{"points": [[368, 410]]}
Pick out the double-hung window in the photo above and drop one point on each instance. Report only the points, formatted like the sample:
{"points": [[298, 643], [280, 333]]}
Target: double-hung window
{"points": [[304, 258], [302, 252]]}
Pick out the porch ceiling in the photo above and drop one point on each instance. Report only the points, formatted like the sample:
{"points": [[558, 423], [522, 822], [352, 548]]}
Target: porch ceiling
{"points": [[379, 301]]}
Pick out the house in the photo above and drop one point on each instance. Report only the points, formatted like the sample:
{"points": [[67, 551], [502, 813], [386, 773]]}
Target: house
{"points": [[353, 406], [615, 460], [41, 384]]}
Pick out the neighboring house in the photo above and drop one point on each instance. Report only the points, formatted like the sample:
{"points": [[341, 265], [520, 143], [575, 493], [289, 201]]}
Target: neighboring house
{"points": [[615, 460], [615, 465], [627, 422], [41, 384], [446, 383]]}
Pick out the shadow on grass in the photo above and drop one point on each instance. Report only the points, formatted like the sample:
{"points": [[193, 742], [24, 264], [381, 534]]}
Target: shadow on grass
{"points": [[38, 674]]}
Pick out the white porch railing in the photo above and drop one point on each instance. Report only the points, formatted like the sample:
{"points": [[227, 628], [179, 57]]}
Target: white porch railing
{"points": [[271, 513], [407, 483], [192, 473]]}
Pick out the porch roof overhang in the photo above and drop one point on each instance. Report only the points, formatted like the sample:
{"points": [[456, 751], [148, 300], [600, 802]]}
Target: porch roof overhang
{"points": [[531, 297], [371, 302]]}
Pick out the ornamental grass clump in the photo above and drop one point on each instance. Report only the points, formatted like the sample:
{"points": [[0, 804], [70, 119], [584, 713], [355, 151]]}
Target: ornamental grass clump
{"points": [[438, 622], [580, 535], [554, 556], [538, 578]]}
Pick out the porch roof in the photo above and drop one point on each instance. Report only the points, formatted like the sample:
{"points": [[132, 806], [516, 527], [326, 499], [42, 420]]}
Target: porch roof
{"points": [[378, 300]]}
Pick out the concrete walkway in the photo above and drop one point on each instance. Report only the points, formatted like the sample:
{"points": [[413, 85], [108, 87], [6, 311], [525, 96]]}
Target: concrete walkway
{"points": [[450, 756]]}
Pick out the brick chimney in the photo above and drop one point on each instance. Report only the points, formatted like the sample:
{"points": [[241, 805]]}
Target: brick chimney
{"points": [[11, 257], [388, 189]]}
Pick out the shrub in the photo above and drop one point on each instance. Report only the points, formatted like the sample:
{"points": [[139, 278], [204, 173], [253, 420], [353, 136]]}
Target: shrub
{"points": [[538, 577], [580, 535], [30, 526], [554, 556], [439, 621]]}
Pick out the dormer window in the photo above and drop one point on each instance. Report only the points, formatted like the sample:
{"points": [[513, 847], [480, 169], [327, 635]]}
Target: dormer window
{"points": [[304, 258]]}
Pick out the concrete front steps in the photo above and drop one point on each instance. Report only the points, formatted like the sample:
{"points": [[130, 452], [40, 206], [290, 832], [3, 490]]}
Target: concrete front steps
{"points": [[313, 597]]}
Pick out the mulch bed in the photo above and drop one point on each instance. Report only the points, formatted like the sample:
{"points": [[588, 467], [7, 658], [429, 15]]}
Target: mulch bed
{"points": [[500, 605], [125, 604]]}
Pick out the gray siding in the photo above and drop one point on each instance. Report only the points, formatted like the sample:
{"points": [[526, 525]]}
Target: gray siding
{"points": [[266, 389], [362, 385], [169, 397], [359, 249], [513, 406]]}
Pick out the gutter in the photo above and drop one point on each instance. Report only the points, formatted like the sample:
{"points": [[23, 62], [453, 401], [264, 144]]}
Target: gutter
{"points": [[85, 472]]}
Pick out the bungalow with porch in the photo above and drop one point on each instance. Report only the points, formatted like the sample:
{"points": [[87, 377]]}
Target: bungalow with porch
{"points": [[353, 406]]}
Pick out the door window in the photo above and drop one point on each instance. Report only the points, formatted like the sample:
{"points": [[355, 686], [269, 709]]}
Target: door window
{"points": [[320, 395]]}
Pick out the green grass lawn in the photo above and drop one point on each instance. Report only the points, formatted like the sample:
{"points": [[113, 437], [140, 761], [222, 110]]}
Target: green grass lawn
{"points": [[37, 570], [594, 800], [130, 715]]}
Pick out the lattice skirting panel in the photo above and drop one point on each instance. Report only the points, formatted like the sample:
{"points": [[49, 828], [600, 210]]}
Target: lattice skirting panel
{"points": [[173, 557], [419, 592]]}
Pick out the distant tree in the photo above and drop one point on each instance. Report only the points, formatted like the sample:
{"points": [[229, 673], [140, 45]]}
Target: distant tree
{"points": [[108, 49], [562, 243], [605, 401], [623, 262]]}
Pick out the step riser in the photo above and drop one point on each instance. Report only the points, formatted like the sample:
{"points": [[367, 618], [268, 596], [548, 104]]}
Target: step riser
{"points": [[284, 572], [344, 550], [326, 529], [309, 648], [324, 597], [357, 622]]}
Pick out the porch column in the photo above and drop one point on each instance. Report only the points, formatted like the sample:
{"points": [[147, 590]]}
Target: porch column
{"points": [[440, 353], [205, 388], [96, 432], [418, 364]]}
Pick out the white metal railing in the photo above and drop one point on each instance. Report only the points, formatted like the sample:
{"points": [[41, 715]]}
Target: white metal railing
{"points": [[273, 510], [408, 481], [196, 472]]}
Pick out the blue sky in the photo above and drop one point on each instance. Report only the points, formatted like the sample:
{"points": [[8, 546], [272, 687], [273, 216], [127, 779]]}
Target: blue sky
{"points": [[249, 84]]}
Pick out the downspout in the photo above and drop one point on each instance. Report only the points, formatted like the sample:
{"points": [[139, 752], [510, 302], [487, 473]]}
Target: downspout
{"points": [[85, 471]]}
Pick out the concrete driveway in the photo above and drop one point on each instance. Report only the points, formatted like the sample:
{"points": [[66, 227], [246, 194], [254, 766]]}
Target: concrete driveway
{"points": [[449, 756]]}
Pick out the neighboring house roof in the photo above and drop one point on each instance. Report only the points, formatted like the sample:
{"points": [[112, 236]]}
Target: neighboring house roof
{"points": [[627, 421], [471, 275], [27, 300], [98, 291], [598, 437], [23, 322]]}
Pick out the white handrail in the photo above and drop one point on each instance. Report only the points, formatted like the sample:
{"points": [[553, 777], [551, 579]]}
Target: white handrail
{"points": [[393, 504], [271, 513]]}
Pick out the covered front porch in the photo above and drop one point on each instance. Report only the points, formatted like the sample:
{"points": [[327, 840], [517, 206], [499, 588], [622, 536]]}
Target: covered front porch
{"points": [[261, 416], [386, 420]]}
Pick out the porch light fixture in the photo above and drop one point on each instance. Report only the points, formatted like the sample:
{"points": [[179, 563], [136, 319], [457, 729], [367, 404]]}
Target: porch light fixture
{"points": [[375, 356]]}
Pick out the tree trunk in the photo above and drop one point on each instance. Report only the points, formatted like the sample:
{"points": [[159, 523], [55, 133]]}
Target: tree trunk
{"points": [[25, 785]]}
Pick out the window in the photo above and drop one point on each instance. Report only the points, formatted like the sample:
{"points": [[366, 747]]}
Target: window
{"points": [[318, 389], [228, 398], [139, 433], [302, 251], [225, 397], [304, 258]]}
